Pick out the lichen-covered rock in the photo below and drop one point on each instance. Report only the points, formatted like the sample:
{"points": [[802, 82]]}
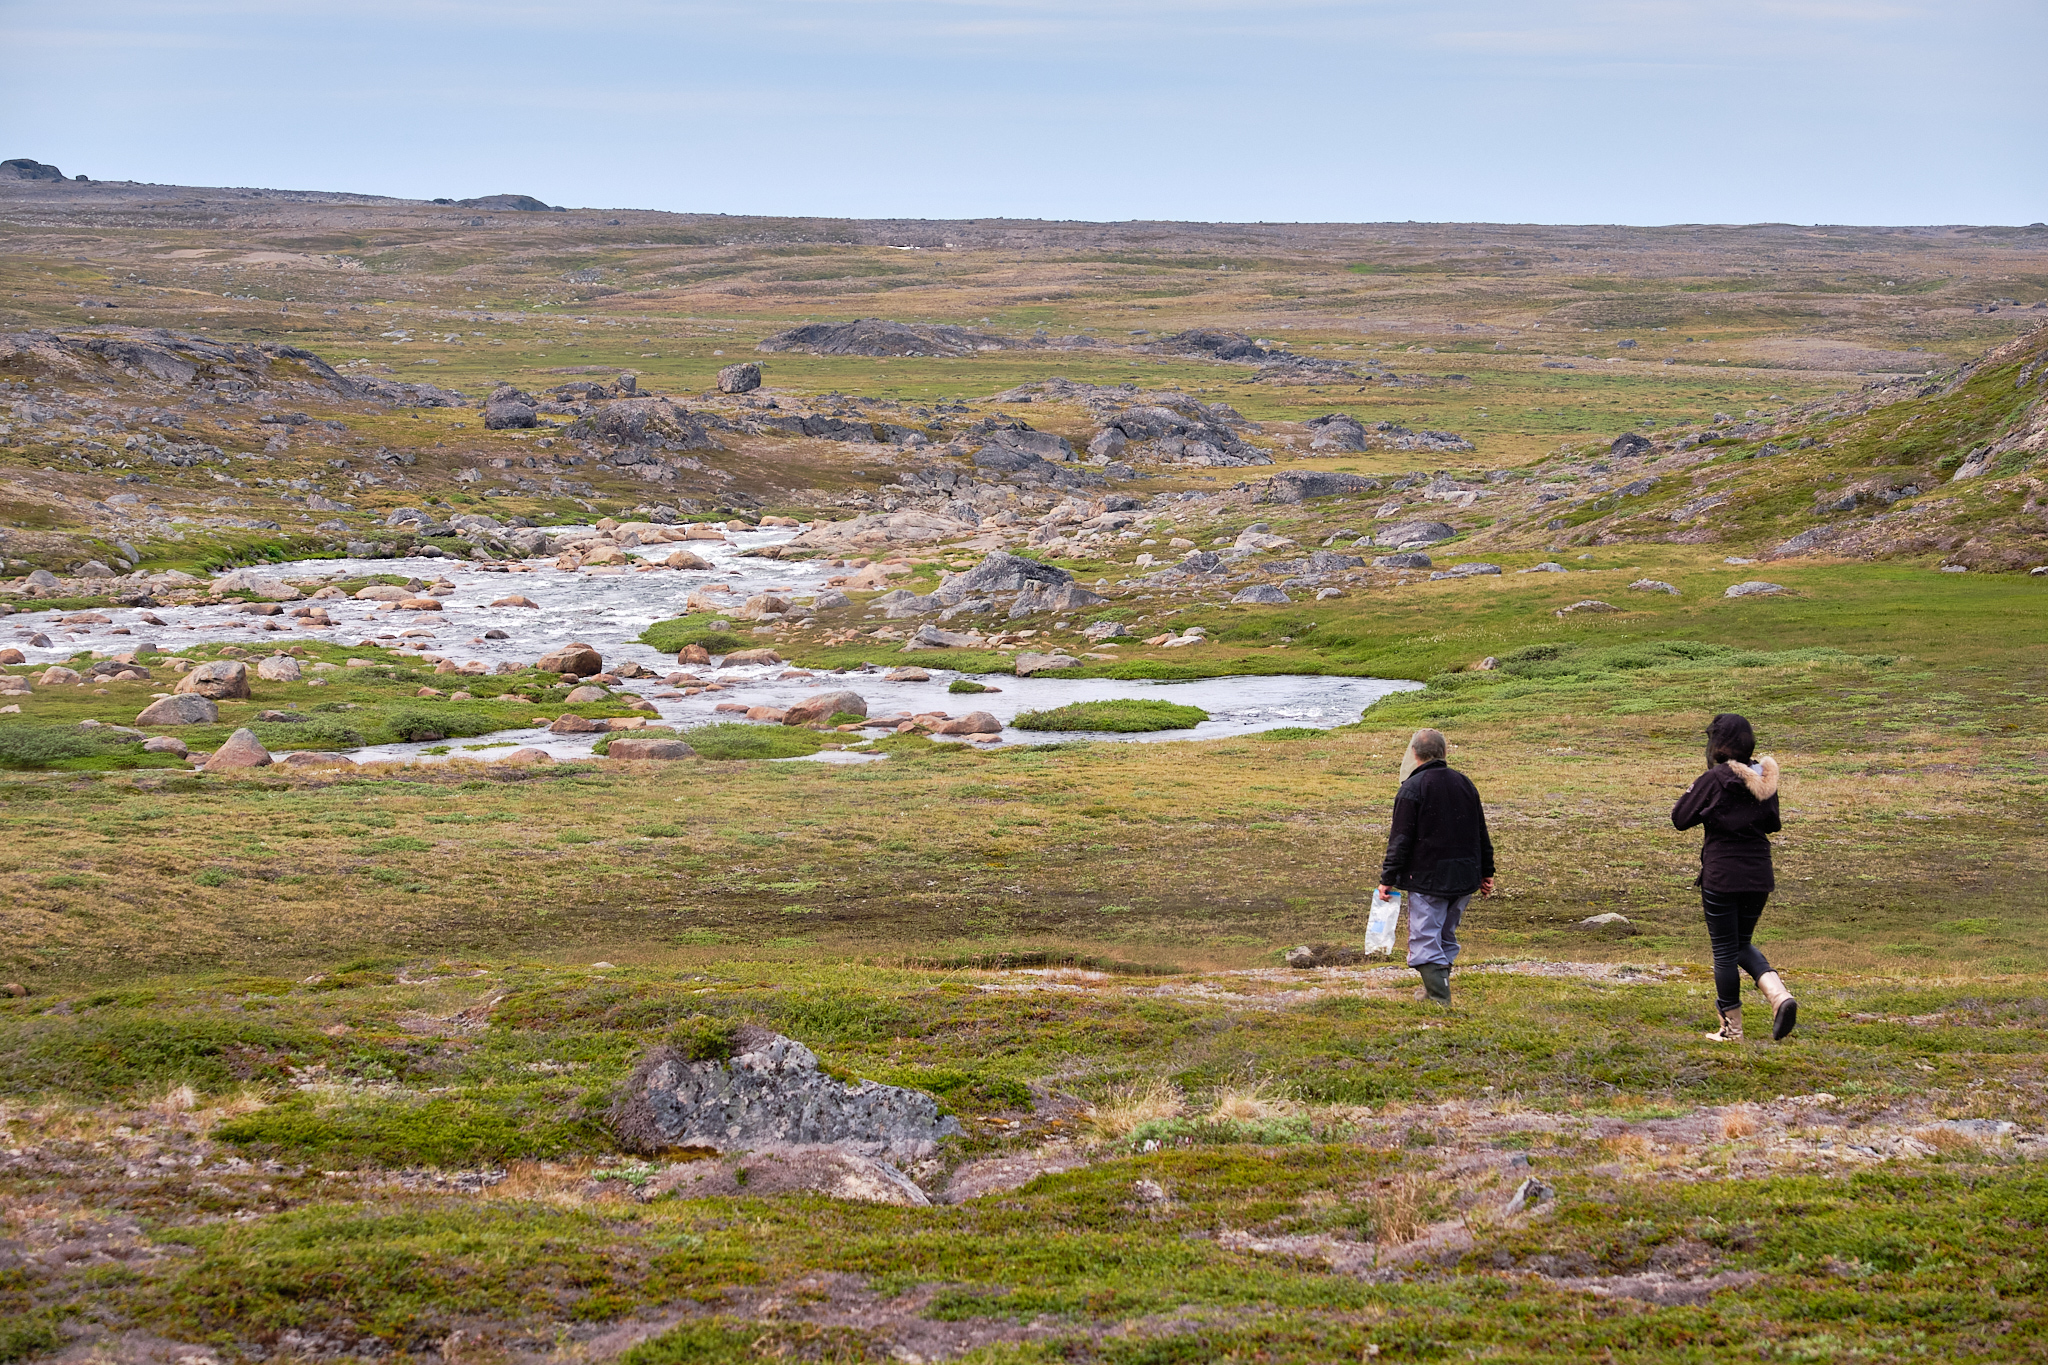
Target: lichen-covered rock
{"points": [[820, 707], [742, 378], [768, 1091], [278, 668], [242, 750], [185, 709], [221, 680]]}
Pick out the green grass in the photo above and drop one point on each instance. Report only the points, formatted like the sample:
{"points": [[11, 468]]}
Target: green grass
{"points": [[1122, 716]]}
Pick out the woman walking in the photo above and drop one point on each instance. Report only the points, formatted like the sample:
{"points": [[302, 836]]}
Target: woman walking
{"points": [[1738, 804]]}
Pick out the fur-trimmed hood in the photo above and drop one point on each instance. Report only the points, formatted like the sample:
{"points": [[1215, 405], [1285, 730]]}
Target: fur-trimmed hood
{"points": [[1762, 780]]}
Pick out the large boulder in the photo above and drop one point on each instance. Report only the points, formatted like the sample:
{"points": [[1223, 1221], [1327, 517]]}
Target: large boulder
{"points": [[1039, 596], [1029, 663], [741, 658], [1412, 533], [382, 592], [973, 723], [278, 668], [643, 422], [767, 1090], [1754, 588], [1261, 594], [508, 409], [1000, 571], [820, 707], [256, 585], [882, 337], [744, 377], [222, 680], [579, 659], [569, 723], [1336, 432], [1298, 485], [186, 709], [640, 750], [242, 750]]}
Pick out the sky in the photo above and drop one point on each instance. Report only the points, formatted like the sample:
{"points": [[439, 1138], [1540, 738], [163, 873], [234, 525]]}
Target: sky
{"points": [[1543, 111]]}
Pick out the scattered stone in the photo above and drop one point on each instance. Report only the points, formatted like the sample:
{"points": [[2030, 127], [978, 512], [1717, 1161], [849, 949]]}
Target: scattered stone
{"points": [[1754, 588], [1652, 585], [222, 680], [165, 744], [1408, 561], [59, 674], [1547, 566], [1299, 485], [524, 756], [685, 559], [382, 592], [750, 657], [1260, 594], [1589, 606], [693, 654], [907, 675], [1528, 1195], [11, 655], [570, 723], [1466, 571], [242, 750], [578, 696], [278, 668], [1600, 921], [515, 600], [180, 709], [769, 1091]]}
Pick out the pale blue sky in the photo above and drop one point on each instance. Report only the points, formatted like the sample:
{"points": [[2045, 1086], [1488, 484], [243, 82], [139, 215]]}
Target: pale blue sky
{"points": [[1635, 111]]}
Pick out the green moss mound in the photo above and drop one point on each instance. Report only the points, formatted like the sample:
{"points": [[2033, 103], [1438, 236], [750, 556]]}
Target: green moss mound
{"points": [[671, 636], [961, 687], [730, 739], [1121, 716], [1287, 732]]}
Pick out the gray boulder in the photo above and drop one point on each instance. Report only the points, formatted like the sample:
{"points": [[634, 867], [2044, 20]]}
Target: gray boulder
{"points": [[1029, 663], [1412, 532], [1754, 588], [187, 708], [1261, 594], [242, 750], [632, 749], [1336, 431], [222, 680], [1652, 585], [1039, 596], [1001, 571], [1630, 443], [744, 377], [881, 337], [509, 409], [1298, 485], [769, 1092], [1466, 571], [932, 637], [1043, 445]]}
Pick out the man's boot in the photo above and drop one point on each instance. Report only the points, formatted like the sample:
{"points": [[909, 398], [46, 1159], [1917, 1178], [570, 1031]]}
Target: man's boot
{"points": [[1731, 1026], [1784, 1009], [1436, 982]]}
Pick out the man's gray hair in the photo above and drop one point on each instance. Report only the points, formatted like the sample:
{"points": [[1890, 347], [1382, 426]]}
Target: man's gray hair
{"points": [[1428, 746]]}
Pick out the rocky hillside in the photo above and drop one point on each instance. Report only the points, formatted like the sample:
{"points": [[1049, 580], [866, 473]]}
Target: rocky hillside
{"points": [[1950, 465]]}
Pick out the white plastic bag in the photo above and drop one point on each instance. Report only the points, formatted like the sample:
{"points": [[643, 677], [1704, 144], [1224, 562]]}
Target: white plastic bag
{"points": [[1380, 924]]}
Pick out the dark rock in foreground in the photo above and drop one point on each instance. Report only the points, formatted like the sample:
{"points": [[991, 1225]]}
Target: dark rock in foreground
{"points": [[769, 1092]]}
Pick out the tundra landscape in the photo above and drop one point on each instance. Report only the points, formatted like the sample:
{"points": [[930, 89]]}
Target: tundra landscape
{"points": [[818, 782]]}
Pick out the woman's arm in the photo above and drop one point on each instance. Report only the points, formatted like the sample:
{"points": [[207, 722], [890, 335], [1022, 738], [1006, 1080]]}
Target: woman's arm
{"points": [[1693, 807]]}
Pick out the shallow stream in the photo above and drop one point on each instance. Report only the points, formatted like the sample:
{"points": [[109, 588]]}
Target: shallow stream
{"points": [[609, 608]]}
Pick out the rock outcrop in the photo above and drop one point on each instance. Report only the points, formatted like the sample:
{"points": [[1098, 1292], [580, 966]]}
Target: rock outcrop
{"points": [[880, 337], [768, 1091]]}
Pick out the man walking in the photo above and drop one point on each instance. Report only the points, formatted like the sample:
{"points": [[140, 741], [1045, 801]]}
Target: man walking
{"points": [[1438, 851]]}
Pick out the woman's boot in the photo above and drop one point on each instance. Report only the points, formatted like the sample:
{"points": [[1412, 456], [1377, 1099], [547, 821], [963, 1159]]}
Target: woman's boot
{"points": [[1784, 1009], [1436, 983], [1731, 1026]]}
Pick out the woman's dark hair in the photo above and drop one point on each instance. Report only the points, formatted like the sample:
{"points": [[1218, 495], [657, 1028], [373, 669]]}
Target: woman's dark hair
{"points": [[1729, 736]]}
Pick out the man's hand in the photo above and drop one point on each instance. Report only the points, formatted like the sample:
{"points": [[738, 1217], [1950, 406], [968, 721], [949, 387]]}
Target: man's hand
{"points": [[1486, 887], [1386, 892]]}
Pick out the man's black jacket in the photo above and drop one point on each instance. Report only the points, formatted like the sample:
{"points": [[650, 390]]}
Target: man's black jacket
{"points": [[1438, 843]]}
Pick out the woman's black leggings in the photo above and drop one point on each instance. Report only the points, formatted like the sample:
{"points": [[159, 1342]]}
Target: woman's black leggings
{"points": [[1731, 919]]}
